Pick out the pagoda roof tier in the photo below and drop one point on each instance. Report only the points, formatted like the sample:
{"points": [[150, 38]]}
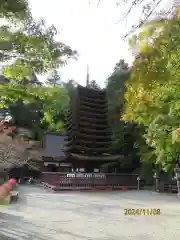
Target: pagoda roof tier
{"points": [[93, 137], [88, 149], [98, 126], [87, 113], [93, 104], [79, 148], [91, 92], [100, 91], [93, 100], [94, 110], [84, 131], [94, 120], [89, 143], [94, 125], [97, 158], [89, 132], [88, 119]]}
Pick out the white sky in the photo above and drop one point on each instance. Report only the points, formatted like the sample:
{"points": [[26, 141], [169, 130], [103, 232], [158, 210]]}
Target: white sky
{"points": [[91, 31]]}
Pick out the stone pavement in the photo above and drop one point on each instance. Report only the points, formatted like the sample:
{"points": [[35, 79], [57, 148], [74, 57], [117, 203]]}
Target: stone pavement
{"points": [[41, 215]]}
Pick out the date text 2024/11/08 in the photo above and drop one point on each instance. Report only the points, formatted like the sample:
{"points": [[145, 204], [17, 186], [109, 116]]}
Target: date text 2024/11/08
{"points": [[142, 212]]}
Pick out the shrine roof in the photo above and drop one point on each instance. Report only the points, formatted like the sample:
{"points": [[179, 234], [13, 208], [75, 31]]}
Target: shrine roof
{"points": [[97, 158]]}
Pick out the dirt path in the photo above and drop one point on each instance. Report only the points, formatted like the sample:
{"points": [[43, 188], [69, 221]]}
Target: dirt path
{"points": [[40, 215]]}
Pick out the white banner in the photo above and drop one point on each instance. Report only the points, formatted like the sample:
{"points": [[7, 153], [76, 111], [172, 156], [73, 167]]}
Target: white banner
{"points": [[86, 175], [51, 163]]}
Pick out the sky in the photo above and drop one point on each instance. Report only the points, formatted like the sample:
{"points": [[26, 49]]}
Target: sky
{"points": [[92, 31]]}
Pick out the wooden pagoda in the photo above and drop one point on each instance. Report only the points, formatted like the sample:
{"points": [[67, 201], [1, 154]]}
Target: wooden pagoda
{"points": [[88, 133]]}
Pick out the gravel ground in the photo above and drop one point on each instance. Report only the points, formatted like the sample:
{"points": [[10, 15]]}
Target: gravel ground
{"points": [[41, 215]]}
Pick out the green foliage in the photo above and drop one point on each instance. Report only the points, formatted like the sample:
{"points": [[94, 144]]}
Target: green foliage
{"points": [[37, 106], [14, 9], [54, 78], [28, 47], [30, 50], [27, 137], [152, 97], [93, 84], [55, 106], [124, 134]]}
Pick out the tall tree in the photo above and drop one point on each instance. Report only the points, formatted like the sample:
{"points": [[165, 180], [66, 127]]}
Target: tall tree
{"points": [[93, 84], [31, 49], [152, 96], [123, 133], [54, 78], [14, 9], [28, 46]]}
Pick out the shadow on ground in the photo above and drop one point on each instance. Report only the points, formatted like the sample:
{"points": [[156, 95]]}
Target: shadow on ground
{"points": [[14, 227]]}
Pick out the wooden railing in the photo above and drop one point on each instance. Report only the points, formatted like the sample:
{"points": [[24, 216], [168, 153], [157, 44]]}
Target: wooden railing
{"points": [[168, 186]]}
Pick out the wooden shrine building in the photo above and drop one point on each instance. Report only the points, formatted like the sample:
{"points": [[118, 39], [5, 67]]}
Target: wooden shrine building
{"points": [[54, 159]]}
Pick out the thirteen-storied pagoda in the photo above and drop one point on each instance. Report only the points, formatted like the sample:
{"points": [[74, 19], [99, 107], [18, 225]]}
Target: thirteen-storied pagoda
{"points": [[88, 133]]}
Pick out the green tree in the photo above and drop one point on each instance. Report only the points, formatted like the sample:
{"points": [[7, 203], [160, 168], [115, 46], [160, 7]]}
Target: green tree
{"points": [[93, 84], [124, 134], [54, 78], [32, 49], [39, 108], [28, 46], [14, 9], [55, 107], [152, 92]]}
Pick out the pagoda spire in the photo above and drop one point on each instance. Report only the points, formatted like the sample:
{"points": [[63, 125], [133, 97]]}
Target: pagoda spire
{"points": [[87, 76]]}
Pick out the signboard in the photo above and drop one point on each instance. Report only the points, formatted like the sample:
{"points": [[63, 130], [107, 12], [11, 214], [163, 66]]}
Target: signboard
{"points": [[51, 163], [65, 164], [86, 175]]}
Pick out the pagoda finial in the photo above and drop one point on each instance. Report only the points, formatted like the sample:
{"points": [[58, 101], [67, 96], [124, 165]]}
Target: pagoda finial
{"points": [[87, 76]]}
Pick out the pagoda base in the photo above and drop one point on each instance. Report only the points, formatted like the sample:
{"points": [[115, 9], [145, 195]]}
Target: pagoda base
{"points": [[90, 164], [80, 163]]}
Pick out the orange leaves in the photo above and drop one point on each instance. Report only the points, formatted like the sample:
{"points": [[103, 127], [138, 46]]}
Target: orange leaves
{"points": [[137, 101], [177, 135], [178, 131]]}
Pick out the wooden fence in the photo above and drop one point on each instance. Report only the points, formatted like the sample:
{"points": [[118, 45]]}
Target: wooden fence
{"points": [[168, 186], [89, 181]]}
